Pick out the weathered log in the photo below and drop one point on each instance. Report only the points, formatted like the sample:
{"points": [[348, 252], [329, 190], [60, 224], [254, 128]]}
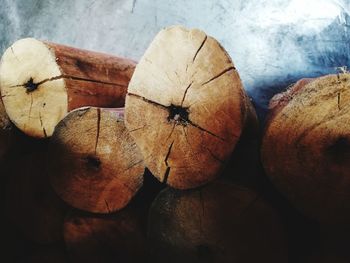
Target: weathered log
{"points": [[30, 203], [306, 146], [94, 163], [185, 107], [109, 238], [220, 222], [40, 82]]}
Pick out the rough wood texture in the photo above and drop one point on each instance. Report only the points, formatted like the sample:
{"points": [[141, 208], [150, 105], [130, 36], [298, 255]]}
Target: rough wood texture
{"points": [[94, 163], [112, 238], [220, 222], [306, 146], [30, 203], [40, 82], [185, 107]]}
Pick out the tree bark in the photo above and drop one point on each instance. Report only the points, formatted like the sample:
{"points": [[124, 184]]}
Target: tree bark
{"points": [[42, 81], [220, 222], [306, 147], [186, 107], [94, 163]]}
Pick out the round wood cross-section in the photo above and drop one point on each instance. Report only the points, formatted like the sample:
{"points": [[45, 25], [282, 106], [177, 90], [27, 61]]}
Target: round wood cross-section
{"points": [[185, 107], [306, 146], [40, 82], [95, 164]]}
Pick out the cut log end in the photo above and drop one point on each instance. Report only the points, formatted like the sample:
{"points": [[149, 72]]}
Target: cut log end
{"points": [[219, 222], [192, 107], [40, 82], [306, 146], [32, 88], [94, 163]]}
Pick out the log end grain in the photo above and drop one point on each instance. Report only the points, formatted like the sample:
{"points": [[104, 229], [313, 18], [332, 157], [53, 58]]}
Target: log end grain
{"points": [[94, 163], [217, 223], [185, 107], [306, 147], [34, 96], [41, 81]]}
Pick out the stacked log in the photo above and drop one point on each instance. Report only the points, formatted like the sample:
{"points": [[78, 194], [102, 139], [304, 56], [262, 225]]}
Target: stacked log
{"points": [[305, 148], [56, 79], [94, 163], [186, 107], [94, 183]]}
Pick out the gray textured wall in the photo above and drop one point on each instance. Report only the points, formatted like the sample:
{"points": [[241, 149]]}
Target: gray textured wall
{"points": [[272, 42]]}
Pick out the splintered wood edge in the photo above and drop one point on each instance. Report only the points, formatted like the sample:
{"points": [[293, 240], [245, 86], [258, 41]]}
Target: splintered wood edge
{"points": [[32, 87], [235, 109]]}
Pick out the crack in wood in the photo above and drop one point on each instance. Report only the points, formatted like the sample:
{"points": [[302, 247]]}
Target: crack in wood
{"points": [[213, 155], [109, 211], [147, 100], [167, 171], [42, 125], [183, 98], [133, 165], [72, 78], [219, 75], [200, 47], [204, 130], [98, 128]]}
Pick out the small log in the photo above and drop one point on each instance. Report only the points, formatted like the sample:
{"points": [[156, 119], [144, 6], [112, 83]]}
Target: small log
{"points": [[186, 107], [108, 238], [94, 163], [220, 222], [306, 147], [30, 203], [41, 81]]}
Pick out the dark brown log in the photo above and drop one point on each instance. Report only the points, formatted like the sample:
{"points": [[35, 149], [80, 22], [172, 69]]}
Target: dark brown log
{"points": [[305, 148], [42, 81], [30, 203], [94, 164], [186, 107], [220, 222], [113, 238]]}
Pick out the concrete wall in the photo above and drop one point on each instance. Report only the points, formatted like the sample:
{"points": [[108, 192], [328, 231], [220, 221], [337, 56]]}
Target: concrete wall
{"points": [[272, 42]]}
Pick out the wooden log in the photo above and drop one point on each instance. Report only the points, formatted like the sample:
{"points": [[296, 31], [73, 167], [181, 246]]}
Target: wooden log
{"points": [[185, 107], [94, 163], [30, 203], [305, 149], [220, 222], [41, 81], [108, 238]]}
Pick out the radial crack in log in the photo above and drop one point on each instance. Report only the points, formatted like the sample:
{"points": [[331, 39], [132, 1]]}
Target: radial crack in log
{"points": [[161, 94], [167, 171], [64, 78], [200, 47], [218, 75], [94, 161]]}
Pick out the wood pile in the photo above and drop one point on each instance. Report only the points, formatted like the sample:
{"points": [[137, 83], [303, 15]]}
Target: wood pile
{"points": [[108, 160]]}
